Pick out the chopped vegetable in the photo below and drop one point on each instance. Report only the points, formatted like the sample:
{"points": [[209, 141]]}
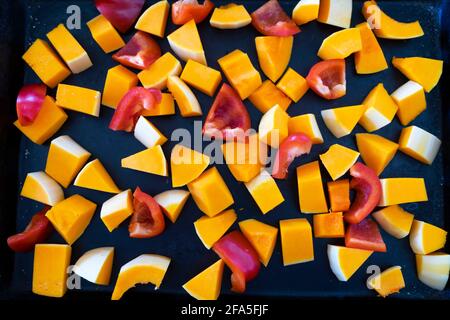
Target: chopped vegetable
{"points": [[388, 282], [29, 102], [121, 13], [185, 10], [327, 79], [365, 235], [94, 176], [96, 265], [207, 284], [271, 20], [265, 191]]}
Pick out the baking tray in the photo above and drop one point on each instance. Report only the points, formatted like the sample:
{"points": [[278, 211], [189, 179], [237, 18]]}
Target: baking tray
{"points": [[24, 21]]}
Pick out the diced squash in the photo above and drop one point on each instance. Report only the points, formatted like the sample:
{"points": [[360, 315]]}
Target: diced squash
{"points": [[69, 49], [201, 77], [344, 262], [71, 217], [274, 54], [40, 187], [207, 284], [273, 126], [165, 108], [370, 59], [388, 28], [433, 269], [342, 121], [388, 282], [46, 63], [424, 71], [310, 189], [210, 192], [186, 100], [95, 265], [268, 95], [402, 190], [240, 73], [78, 99], [94, 176], [49, 120], [380, 109], [293, 85], [426, 238], [116, 209], [341, 44], [307, 124], [419, 144], [245, 159], [147, 268], [50, 269], [376, 151], [186, 43], [186, 165], [104, 34], [154, 19], [265, 191], [65, 159], [262, 237], [151, 160], [211, 229], [394, 220], [119, 80], [147, 134], [338, 160], [410, 99], [329, 225], [230, 16], [339, 195], [306, 11], [159, 71], [336, 12], [172, 202], [293, 233]]}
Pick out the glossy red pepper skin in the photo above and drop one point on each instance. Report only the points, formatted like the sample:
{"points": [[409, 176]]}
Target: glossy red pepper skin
{"points": [[184, 11], [367, 186], [293, 146], [365, 235], [327, 79], [37, 231], [240, 256], [271, 20], [131, 106], [147, 220], [29, 102], [121, 13]]}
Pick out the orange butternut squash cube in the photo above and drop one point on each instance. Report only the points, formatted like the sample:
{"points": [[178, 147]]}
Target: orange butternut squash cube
{"points": [[344, 262], [262, 237], [339, 195], [151, 160], [388, 282], [159, 71], [69, 49], [268, 95], [310, 189], [186, 100], [424, 71], [394, 220], [154, 19], [402, 190], [293, 85], [210, 192], [40, 187], [230, 16], [119, 80], [340, 44], [49, 120], [370, 59], [329, 225], [165, 108], [273, 126], [433, 269], [336, 12], [307, 124], [172, 202], [46, 63], [376, 151], [116, 209], [240, 73], [186, 43], [338, 160], [265, 191], [78, 99], [201, 77], [296, 241], [274, 54], [211, 229], [207, 284], [341, 121], [94, 176], [410, 99], [306, 11], [186, 165], [419, 144], [426, 238], [104, 34]]}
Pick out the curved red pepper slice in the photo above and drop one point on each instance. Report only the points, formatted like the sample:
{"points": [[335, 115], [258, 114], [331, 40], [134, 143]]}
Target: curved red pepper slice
{"points": [[121, 13], [293, 146], [139, 53], [184, 11], [29, 102], [131, 106], [365, 235], [271, 20], [240, 256], [327, 79], [368, 193], [38, 230], [147, 220]]}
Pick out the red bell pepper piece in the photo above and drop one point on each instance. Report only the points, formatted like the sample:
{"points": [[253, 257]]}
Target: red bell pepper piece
{"points": [[368, 193], [38, 230], [327, 79], [29, 102], [184, 11], [271, 20], [293, 146], [121, 13], [147, 220], [131, 106], [365, 235], [240, 256]]}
